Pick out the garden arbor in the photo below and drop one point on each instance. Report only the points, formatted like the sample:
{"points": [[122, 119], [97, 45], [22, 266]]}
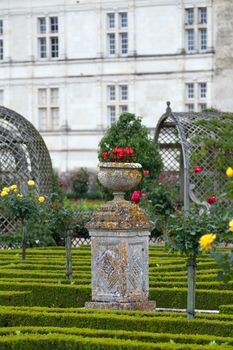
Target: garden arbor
{"points": [[23, 156], [196, 149], [188, 140]]}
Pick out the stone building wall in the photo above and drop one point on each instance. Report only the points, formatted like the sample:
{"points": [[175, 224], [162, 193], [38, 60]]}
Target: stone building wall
{"points": [[223, 70], [157, 67]]}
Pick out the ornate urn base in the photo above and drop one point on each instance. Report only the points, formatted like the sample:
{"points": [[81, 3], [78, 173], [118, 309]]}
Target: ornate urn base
{"points": [[120, 240]]}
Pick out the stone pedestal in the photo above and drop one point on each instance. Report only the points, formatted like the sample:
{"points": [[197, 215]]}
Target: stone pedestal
{"points": [[120, 238], [120, 270]]}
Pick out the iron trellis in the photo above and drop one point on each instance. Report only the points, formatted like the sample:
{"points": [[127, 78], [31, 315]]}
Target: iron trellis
{"points": [[23, 156], [177, 136]]}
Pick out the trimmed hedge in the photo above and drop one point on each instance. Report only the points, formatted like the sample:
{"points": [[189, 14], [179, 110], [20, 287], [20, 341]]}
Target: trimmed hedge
{"points": [[149, 322], [71, 342], [119, 334], [66, 295], [226, 309], [59, 295]]}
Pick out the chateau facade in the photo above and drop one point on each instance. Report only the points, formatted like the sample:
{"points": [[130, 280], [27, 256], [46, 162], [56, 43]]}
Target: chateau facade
{"points": [[71, 67]]}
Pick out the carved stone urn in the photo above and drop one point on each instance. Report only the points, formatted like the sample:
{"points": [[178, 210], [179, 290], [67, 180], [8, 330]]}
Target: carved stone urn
{"points": [[120, 239], [119, 177]]}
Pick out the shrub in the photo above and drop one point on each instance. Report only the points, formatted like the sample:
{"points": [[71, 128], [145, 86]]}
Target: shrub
{"points": [[128, 131]]}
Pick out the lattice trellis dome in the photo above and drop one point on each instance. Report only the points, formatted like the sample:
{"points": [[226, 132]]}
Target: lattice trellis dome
{"points": [[180, 138], [23, 156]]}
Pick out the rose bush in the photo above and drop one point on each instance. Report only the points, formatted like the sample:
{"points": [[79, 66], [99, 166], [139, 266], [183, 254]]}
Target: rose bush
{"points": [[25, 208]]}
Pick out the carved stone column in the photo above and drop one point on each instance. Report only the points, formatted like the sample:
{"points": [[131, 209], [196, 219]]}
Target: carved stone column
{"points": [[120, 240]]}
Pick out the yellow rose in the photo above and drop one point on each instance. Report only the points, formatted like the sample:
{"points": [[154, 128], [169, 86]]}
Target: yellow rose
{"points": [[231, 225], [206, 241], [19, 195], [4, 193], [229, 172], [6, 189], [31, 183], [13, 187], [41, 199]]}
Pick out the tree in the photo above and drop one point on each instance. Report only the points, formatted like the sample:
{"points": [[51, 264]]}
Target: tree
{"points": [[128, 131]]}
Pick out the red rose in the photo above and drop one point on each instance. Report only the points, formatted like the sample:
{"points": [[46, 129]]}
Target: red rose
{"points": [[146, 172], [120, 154], [211, 200], [136, 196], [61, 184], [128, 150], [198, 169], [117, 150], [104, 154]]}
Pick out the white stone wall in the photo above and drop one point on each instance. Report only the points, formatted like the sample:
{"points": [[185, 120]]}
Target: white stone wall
{"points": [[155, 70]]}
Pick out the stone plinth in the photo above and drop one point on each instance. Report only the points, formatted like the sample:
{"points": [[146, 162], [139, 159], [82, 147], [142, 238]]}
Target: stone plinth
{"points": [[120, 240]]}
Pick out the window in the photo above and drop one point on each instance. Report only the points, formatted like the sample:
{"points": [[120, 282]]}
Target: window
{"points": [[42, 25], [42, 97], [202, 15], [117, 98], [202, 106], [42, 116], [54, 113], [48, 41], [190, 90], [1, 50], [117, 34], [1, 40], [202, 90], [48, 108], [190, 40], [1, 97], [123, 109], [195, 96], [111, 114], [54, 47], [53, 24], [189, 16], [42, 47], [1, 26], [111, 44], [54, 96], [111, 20], [190, 107], [124, 43], [111, 92], [195, 26], [124, 92], [123, 18], [202, 39]]}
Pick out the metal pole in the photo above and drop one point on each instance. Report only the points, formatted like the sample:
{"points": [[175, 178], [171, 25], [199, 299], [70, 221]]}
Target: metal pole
{"points": [[191, 265], [68, 243], [24, 233]]}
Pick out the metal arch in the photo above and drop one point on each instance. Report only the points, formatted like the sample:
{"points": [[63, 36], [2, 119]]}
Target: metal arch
{"points": [[22, 144], [187, 130]]}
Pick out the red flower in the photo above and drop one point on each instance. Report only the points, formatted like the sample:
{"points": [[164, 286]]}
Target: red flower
{"points": [[136, 196], [211, 200], [198, 169], [104, 154], [61, 184], [146, 172], [128, 150]]}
